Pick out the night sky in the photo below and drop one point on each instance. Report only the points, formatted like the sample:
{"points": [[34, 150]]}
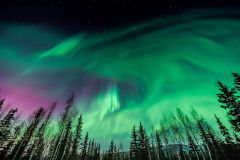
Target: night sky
{"points": [[127, 61]]}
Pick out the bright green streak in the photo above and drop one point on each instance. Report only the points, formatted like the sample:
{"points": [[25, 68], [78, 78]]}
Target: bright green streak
{"points": [[171, 65]]}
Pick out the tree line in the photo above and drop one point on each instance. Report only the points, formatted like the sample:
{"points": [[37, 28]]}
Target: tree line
{"points": [[180, 136]]}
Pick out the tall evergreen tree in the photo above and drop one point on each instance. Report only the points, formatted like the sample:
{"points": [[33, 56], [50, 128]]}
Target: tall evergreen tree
{"points": [[14, 137], [62, 149], [64, 120], [134, 150], [224, 131], [227, 97], [161, 154], [36, 119], [193, 149], [131, 153], [143, 143], [89, 149], [96, 152], [230, 101], [153, 152], [77, 138], [199, 124], [228, 140], [206, 140], [99, 151], [68, 149], [186, 125], [215, 144], [5, 126], [111, 151], [118, 157], [4, 110], [39, 135], [115, 152], [84, 149], [121, 151], [51, 147], [236, 80], [1, 104], [29, 150], [105, 155]]}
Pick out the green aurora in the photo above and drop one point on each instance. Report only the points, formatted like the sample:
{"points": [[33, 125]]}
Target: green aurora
{"points": [[124, 75]]}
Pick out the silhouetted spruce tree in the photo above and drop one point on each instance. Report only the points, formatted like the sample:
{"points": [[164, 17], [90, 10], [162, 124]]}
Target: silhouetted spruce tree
{"points": [[227, 97], [215, 145], [109, 155], [64, 120], [99, 150], [224, 131], [115, 152], [34, 147], [68, 147], [14, 136], [1, 104], [89, 149], [28, 151], [134, 150], [37, 152], [153, 152], [84, 149], [236, 110], [36, 118], [200, 123], [230, 101], [143, 150], [131, 153], [63, 146], [121, 151], [118, 157], [188, 131], [96, 153], [77, 138], [4, 110], [92, 149], [209, 152], [193, 150], [52, 147], [105, 155], [5, 126], [111, 151], [236, 80], [161, 154], [228, 140], [147, 144]]}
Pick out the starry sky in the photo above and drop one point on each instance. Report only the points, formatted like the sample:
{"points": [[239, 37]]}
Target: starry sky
{"points": [[127, 61]]}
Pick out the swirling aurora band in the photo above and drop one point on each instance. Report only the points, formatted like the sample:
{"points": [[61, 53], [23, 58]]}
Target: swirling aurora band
{"points": [[124, 75]]}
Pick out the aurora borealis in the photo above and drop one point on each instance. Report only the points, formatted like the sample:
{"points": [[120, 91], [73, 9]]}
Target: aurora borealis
{"points": [[123, 75]]}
